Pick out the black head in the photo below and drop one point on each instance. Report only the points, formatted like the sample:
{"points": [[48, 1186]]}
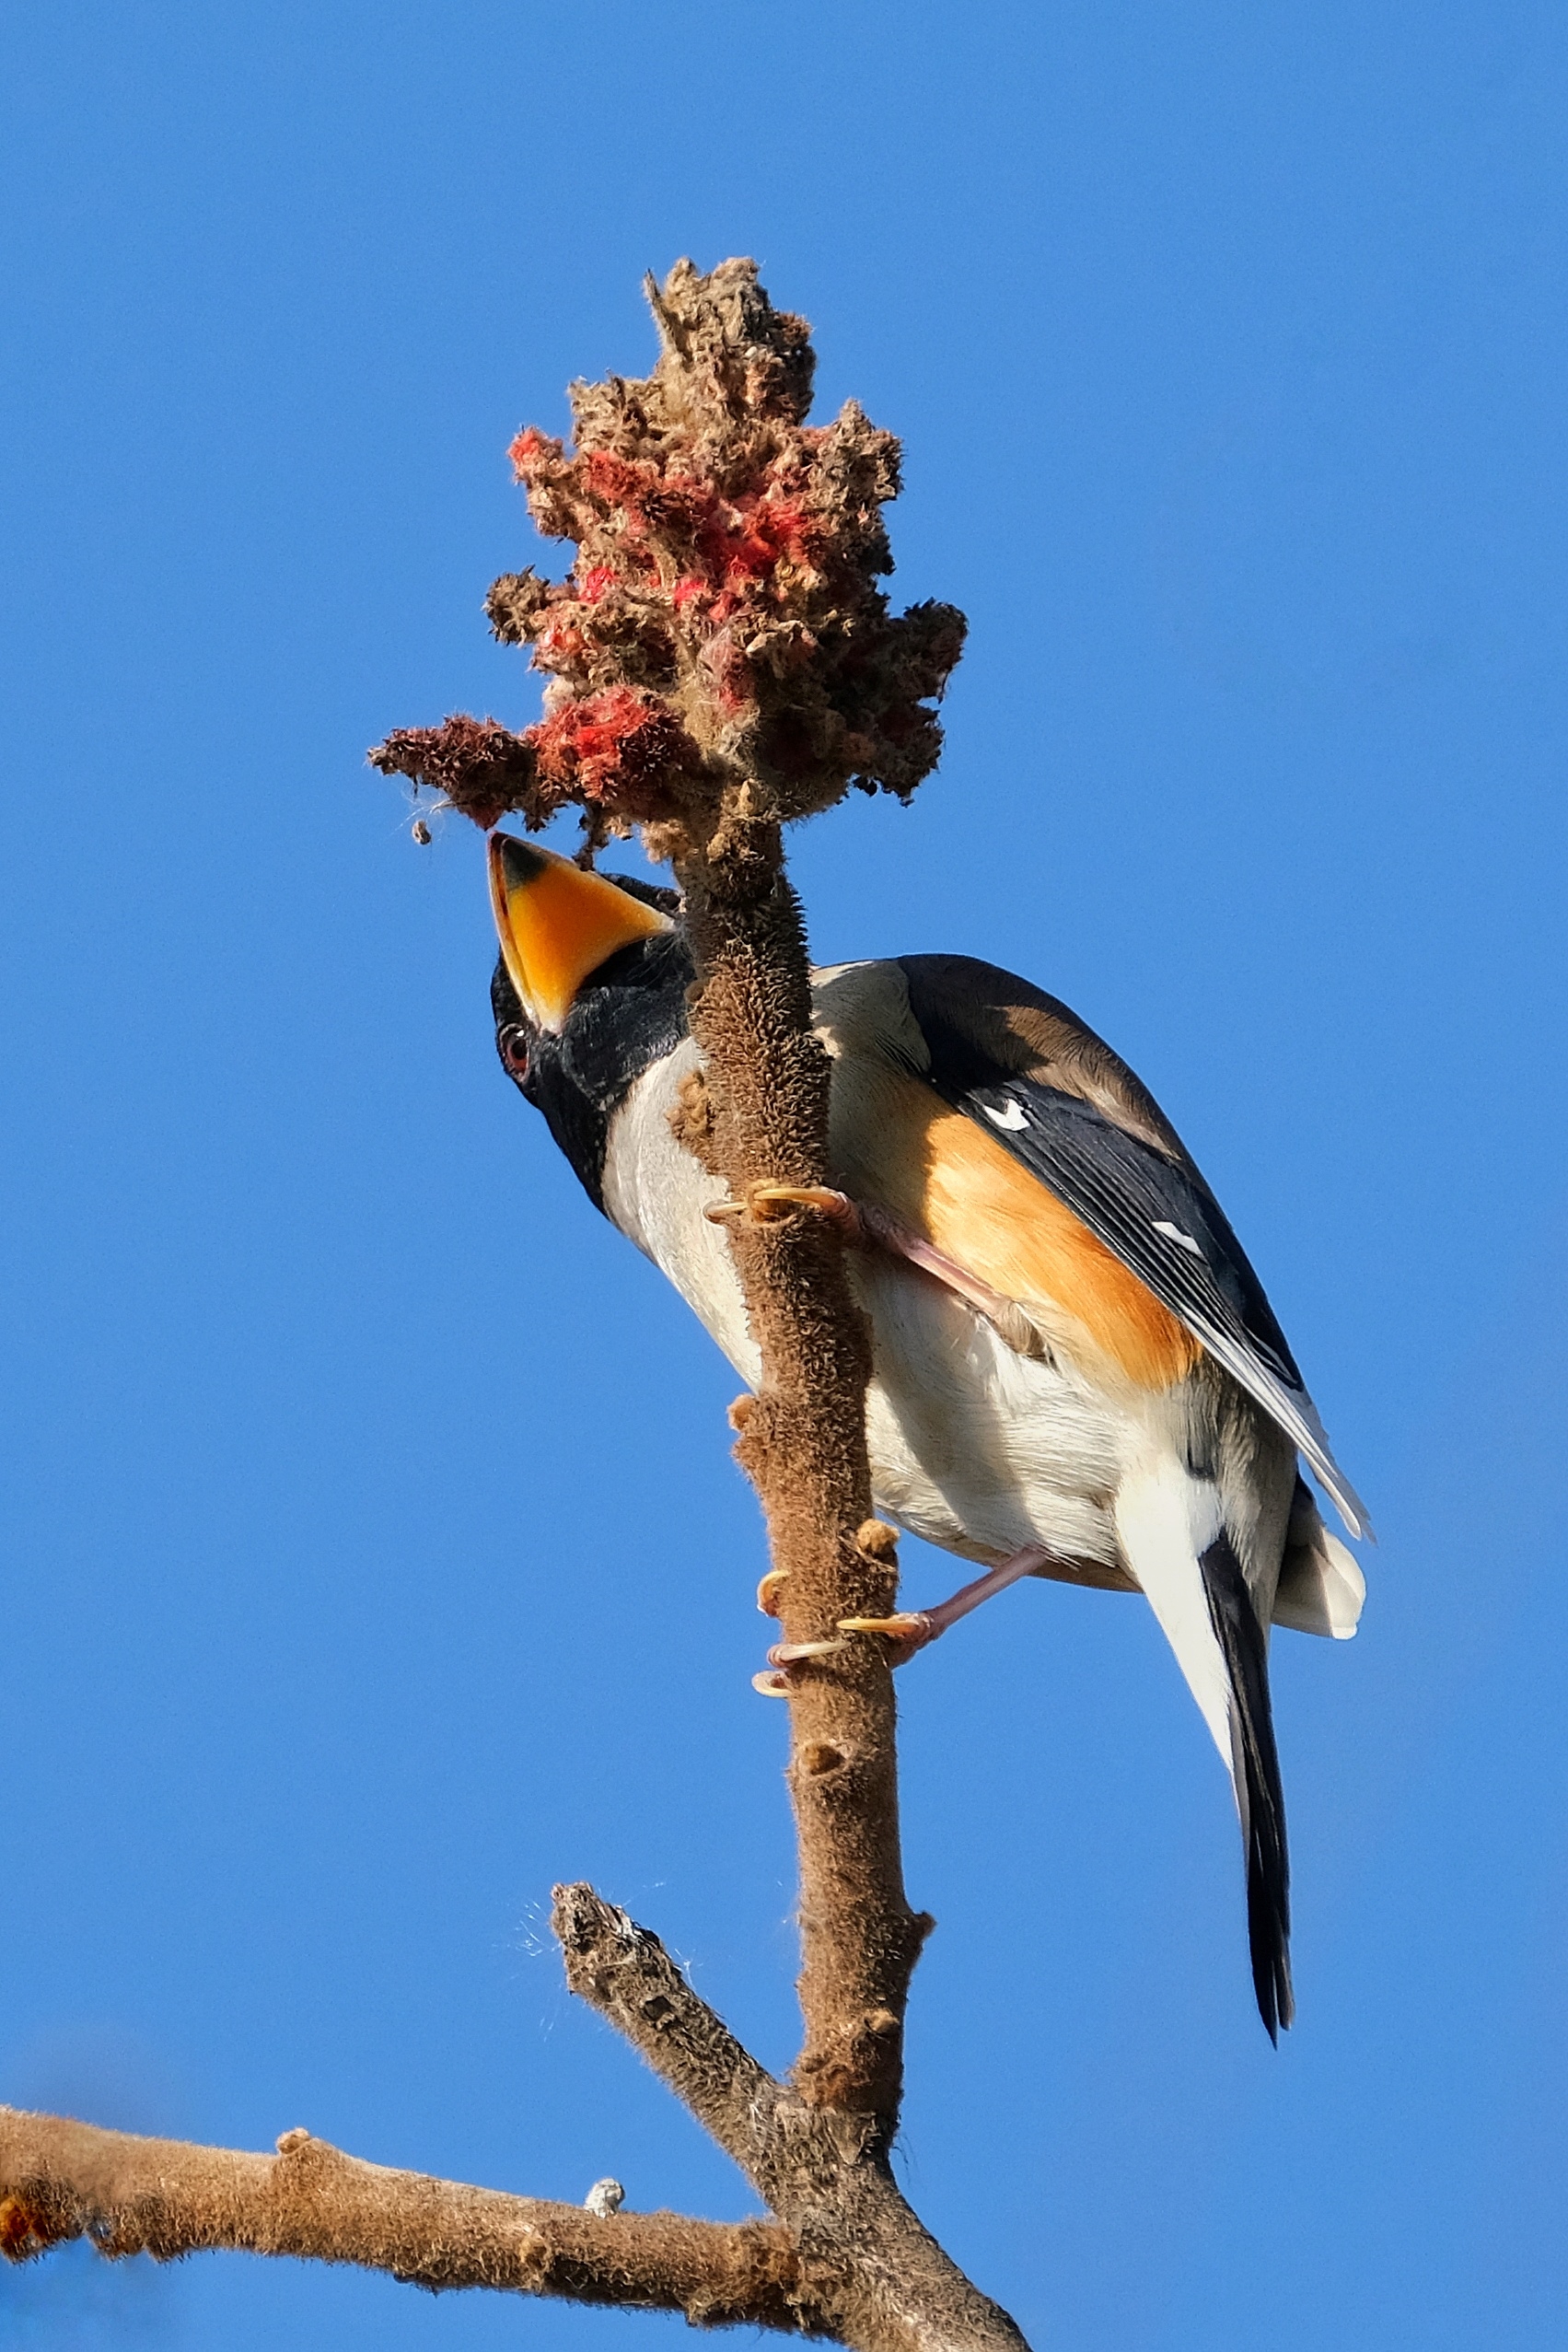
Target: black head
{"points": [[589, 991]]}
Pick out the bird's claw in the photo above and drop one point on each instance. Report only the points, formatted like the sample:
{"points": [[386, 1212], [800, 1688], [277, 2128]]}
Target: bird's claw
{"points": [[908, 1629], [777, 1684], [769, 1592], [763, 1204], [905, 1631]]}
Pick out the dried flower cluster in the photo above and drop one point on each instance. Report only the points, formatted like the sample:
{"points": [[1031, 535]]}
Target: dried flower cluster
{"points": [[721, 630]]}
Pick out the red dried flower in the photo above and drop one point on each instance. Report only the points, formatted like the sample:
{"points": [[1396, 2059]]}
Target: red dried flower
{"points": [[622, 748], [724, 621]]}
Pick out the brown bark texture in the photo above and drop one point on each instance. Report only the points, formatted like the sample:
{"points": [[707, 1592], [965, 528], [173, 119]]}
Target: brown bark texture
{"points": [[880, 2281], [61, 2180], [803, 1443], [721, 661]]}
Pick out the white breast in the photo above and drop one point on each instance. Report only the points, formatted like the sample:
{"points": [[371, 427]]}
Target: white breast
{"points": [[655, 1193], [972, 1447]]}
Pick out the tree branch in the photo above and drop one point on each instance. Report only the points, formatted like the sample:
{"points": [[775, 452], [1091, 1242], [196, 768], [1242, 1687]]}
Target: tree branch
{"points": [[626, 1973], [61, 2180], [803, 1443], [724, 662], [882, 2280]]}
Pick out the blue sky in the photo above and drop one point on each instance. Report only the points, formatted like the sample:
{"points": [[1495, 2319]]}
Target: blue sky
{"points": [[372, 1553]]}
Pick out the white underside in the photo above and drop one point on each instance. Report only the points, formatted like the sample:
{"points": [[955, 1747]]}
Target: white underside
{"points": [[973, 1447]]}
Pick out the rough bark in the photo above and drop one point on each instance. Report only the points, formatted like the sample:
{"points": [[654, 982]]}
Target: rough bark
{"points": [[61, 2180], [803, 1443], [879, 2278], [722, 661]]}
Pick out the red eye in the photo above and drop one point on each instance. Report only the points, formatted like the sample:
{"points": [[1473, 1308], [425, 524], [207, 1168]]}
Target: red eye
{"points": [[515, 1051]]}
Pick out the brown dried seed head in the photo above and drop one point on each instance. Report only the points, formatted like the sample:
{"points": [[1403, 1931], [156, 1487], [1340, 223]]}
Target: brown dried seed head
{"points": [[721, 628]]}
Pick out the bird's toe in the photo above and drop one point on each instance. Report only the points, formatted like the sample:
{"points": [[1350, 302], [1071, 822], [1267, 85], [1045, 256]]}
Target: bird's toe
{"points": [[908, 1630]]}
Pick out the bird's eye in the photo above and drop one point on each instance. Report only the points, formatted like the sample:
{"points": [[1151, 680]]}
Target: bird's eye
{"points": [[515, 1051]]}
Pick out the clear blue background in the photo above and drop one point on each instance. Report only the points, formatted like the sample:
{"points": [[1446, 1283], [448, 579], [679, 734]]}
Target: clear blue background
{"points": [[373, 1555]]}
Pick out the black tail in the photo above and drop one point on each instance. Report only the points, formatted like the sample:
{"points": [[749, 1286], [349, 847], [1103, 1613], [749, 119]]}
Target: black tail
{"points": [[1258, 1792]]}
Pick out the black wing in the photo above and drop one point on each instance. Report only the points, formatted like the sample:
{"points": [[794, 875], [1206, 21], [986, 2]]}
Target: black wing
{"points": [[1152, 1211]]}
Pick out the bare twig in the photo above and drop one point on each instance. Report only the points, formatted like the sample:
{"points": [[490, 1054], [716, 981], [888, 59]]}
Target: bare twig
{"points": [[629, 1978], [881, 2279], [61, 2180]]}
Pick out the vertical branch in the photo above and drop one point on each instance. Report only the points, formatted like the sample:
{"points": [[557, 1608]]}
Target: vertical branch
{"points": [[803, 1443], [723, 663]]}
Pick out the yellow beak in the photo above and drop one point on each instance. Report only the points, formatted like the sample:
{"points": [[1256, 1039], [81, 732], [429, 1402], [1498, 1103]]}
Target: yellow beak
{"points": [[558, 924]]}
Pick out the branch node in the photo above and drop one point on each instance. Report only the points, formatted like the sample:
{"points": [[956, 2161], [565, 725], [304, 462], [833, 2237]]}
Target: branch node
{"points": [[877, 1539], [691, 1120]]}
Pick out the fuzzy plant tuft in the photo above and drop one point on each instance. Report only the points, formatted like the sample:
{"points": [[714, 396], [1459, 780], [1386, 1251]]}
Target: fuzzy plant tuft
{"points": [[721, 636]]}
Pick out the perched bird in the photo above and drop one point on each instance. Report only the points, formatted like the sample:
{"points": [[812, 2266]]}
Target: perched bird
{"points": [[1076, 1373]]}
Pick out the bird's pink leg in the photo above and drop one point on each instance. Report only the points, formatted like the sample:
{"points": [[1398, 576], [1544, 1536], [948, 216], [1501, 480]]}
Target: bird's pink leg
{"points": [[909, 1629], [864, 1225], [913, 1629]]}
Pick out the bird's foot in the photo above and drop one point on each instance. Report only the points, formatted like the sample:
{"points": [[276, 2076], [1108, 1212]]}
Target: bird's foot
{"points": [[864, 1225], [906, 1630], [764, 1204], [914, 1629]]}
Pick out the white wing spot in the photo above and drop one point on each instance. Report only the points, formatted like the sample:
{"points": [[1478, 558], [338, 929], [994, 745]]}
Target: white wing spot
{"points": [[1010, 1116], [1173, 1233]]}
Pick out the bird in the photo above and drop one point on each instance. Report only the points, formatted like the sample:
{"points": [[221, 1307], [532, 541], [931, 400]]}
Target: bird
{"points": [[1076, 1373]]}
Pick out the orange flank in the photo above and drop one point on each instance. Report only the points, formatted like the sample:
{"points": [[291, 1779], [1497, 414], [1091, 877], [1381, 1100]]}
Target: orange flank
{"points": [[558, 924], [966, 1194]]}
